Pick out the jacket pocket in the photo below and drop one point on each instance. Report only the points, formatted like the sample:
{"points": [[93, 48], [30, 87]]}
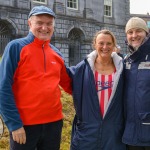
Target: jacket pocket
{"points": [[144, 129], [77, 136], [85, 136]]}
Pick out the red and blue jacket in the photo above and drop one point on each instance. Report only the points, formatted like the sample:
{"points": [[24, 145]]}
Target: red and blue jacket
{"points": [[31, 71]]}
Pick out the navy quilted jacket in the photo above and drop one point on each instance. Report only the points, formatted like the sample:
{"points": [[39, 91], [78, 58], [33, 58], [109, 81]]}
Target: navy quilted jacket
{"points": [[137, 97]]}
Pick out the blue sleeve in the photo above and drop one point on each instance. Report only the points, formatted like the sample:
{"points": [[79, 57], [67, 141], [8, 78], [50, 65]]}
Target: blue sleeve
{"points": [[8, 65], [71, 71], [74, 69]]}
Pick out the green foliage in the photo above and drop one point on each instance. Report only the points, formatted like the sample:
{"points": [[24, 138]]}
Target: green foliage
{"points": [[4, 141], [68, 111]]}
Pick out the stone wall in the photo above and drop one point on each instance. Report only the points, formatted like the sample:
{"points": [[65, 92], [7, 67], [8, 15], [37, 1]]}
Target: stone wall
{"points": [[88, 19]]}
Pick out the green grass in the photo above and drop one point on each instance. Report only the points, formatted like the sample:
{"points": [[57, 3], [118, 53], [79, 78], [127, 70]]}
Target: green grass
{"points": [[68, 111]]}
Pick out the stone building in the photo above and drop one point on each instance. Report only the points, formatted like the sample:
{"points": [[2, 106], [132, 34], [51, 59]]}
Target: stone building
{"points": [[76, 23]]}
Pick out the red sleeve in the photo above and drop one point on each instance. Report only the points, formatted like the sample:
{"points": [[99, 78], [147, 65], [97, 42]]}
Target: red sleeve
{"points": [[65, 81]]}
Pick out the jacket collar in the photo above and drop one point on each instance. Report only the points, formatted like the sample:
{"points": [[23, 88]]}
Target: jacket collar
{"points": [[118, 62], [38, 41], [116, 59]]}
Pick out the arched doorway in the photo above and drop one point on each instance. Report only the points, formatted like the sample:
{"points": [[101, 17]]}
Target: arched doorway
{"points": [[76, 38], [5, 36]]}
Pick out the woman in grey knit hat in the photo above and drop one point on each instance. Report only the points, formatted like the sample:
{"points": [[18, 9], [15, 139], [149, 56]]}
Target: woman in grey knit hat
{"points": [[137, 86]]}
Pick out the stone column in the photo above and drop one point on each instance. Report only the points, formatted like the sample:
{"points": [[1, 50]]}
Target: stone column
{"points": [[88, 12]]}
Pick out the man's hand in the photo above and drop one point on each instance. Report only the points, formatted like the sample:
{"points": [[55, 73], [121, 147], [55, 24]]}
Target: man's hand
{"points": [[19, 136]]}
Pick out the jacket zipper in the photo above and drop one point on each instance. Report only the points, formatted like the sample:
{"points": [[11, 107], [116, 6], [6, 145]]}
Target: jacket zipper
{"points": [[44, 57]]}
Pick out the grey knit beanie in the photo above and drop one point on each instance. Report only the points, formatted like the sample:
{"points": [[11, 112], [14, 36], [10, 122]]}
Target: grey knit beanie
{"points": [[136, 22]]}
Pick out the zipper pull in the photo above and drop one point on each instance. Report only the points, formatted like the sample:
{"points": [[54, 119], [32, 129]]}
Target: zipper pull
{"points": [[146, 57]]}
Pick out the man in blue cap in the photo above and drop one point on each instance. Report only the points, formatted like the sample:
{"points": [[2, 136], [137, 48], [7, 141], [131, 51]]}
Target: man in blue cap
{"points": [[32, 71]]}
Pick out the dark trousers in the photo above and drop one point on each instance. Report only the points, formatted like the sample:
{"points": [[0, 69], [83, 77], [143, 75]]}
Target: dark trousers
{"points": [[138, 147], [40, 137]]}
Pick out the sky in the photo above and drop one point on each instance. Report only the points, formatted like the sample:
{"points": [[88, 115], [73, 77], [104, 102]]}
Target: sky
{"points": [[139, 6]]}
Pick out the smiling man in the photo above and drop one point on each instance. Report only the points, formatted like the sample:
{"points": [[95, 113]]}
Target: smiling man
{"points": [[137, 86], [32, 71]]}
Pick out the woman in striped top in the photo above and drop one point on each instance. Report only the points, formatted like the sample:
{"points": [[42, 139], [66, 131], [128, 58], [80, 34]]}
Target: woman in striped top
{"points": [[97, 95]]}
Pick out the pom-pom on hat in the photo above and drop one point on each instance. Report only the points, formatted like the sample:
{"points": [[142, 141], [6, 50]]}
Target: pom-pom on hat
{"points": [[136, 22], [38, 10]]}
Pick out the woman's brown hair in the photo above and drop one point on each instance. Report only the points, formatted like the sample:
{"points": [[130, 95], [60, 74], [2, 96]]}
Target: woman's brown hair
{"points": [[107, 32]]}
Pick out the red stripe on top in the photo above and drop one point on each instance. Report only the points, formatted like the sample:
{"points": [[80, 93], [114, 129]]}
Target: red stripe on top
{"points": [[110, 89], [96, 79], [102, 95]]}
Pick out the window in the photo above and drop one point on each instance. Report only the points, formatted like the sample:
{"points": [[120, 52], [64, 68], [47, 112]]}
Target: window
{"points": [[108, 8], [72, 4], [148, 24], [40, 1], [5, 36]]}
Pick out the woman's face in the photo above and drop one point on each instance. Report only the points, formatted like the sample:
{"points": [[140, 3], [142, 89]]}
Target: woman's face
{"points": [[104, 45]]}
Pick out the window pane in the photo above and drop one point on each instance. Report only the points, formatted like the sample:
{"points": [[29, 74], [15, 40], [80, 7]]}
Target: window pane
{"points": [[107, 7], [75, 5], [72, 4], [39, 1], [107, 10], [67, 4]]}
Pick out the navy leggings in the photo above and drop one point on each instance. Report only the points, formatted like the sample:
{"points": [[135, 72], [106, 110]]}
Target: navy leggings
{"points": [[40, 137]]}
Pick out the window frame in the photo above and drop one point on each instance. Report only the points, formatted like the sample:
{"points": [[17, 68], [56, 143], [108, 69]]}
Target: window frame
{"points": [[36, 1], [108, 8], [73, 2]]}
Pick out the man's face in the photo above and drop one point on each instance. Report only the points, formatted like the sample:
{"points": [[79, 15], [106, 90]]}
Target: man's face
{"points": [[135, 37], [42, 26]]}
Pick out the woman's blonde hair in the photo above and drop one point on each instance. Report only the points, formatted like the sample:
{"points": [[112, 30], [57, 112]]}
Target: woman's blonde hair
{"points": [[104, 31]]}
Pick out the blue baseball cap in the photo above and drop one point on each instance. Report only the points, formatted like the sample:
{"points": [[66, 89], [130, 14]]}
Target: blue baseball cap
{"points": [[38, 10]]}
